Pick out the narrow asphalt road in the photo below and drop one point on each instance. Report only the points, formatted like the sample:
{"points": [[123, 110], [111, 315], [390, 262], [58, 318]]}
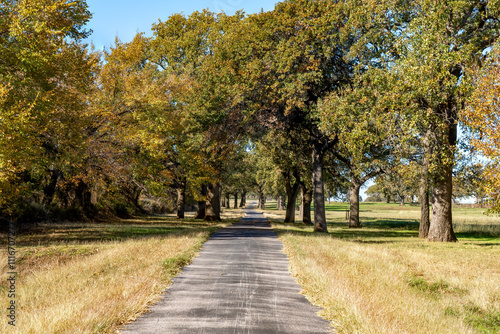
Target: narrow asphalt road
{"points": [[239, 283]]}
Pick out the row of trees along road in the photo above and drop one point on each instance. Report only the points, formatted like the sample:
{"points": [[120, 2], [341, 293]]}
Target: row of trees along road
{"points": [[312, 95]]}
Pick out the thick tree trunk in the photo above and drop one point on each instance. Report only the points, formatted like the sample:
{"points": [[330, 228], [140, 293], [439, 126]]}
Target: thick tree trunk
{"points": [[262, 201], [228, 202], [291, 199], [202, 205], [306, 205], [354, 205], [291, 203], [423, 230], [181, 198], [83, 196], [236, 200], [402, 200], [318, 191], [441, 228], [213, 203], [223, 201]]}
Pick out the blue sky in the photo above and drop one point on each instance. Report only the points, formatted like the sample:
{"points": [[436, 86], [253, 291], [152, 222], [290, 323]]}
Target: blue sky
{"points": [[124, 18]]}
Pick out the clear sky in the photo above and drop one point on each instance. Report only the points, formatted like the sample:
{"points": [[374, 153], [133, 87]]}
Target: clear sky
{"points": [[124, 18]]}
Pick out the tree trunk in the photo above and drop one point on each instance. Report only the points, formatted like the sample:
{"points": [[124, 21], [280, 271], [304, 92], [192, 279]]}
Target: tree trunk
{"points": [[318, 191], [50, 189], [213, 203], [236, 200], [301, 206], [223, 200], [354, 205], [243, 201], [291, 204], [291, 197], [83, 196], [402, 200], [423, 230], [181, 198], [202, 205], [262, 201], [441, 228], [279, 203], [306, 205]]}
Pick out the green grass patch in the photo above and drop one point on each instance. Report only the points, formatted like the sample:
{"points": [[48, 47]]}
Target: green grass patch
{"points": [[483, 321], [434, 288], [173, 265]]}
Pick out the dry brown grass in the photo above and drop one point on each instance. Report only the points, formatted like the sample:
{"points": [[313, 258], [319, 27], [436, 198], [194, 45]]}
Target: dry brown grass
{"points": [[388, 281], [92, 278], [465, 219]]}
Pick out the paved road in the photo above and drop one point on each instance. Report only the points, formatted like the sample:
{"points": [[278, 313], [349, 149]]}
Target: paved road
{"points": [[239, 283]]}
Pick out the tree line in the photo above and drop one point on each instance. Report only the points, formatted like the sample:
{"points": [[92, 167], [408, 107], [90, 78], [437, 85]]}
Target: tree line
{"points": [[311, 94]]}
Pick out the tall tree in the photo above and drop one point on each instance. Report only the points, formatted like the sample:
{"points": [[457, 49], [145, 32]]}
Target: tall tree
{"points": [[428, 46], [281, 63], [443, 41], [358, 117], [45, 76]]}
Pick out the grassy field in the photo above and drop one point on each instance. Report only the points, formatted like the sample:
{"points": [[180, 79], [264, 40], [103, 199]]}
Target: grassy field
{"points": [[466, 221], [92, 278], [384, 279]]}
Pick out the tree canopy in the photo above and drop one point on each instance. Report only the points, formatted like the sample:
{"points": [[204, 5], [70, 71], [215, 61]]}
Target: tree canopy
{"points": [[312, 94]]}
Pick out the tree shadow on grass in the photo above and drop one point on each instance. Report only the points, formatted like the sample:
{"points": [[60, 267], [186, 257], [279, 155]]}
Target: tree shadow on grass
{"points": [[123, 229], [393, 223], [381, 231], [370, 232], [375, 232]]}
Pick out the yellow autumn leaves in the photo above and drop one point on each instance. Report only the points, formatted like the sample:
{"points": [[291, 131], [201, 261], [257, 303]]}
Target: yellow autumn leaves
{"points": [[483, 117]]}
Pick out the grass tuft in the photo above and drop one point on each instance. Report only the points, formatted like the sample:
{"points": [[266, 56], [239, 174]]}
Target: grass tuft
{"points": [[439, 287]]}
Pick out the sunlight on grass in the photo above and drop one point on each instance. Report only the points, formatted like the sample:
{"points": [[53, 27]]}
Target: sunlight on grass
{"points": [[376, 280], [465, 220], [383, 279]]}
